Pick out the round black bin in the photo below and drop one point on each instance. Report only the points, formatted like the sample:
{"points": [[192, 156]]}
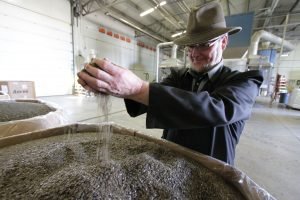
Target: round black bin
{"points": [[284, 97]]}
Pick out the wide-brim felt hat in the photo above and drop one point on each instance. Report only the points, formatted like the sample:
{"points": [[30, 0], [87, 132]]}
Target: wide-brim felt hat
{"points": [[206, 23]]}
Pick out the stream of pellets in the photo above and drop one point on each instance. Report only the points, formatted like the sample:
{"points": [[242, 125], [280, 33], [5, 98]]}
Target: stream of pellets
{"points": [[104, 132]]}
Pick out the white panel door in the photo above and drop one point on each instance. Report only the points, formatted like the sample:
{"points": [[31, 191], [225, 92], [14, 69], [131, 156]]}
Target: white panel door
{"points": [[36, 44]]}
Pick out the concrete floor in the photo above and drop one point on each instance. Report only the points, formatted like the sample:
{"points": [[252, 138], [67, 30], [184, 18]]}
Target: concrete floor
{"points": [[268, 151]]}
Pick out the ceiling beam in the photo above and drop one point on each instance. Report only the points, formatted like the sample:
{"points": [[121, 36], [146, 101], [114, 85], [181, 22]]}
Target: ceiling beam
{"points": [[228, 7], [278, 14], [248, 6], [109, 10], [277, 26], [120, 16], [160, 39], [291, 10], [185, 5], [164, 13], [270, 12], [160, 26]]}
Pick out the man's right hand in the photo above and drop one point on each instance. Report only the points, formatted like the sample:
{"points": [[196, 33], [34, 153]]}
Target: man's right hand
{"points": [[114, 80]]}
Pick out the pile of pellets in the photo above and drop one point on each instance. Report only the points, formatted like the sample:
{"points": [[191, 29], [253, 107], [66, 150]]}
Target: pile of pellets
{"points": [[12, 110], [65, 167]]}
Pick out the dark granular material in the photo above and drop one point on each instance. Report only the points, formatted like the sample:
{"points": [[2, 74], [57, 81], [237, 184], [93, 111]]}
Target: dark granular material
{"points": [[57, 168], [11, 110]]}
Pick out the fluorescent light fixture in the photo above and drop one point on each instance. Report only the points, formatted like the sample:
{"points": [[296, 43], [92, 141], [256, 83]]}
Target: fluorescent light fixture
{"points": [[147, 12], [116, 17], [284, 55], [177, 34], [163, 3], [150, 10]]}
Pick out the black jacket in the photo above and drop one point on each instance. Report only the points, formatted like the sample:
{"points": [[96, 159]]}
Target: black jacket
{"points": [[210, 121]]}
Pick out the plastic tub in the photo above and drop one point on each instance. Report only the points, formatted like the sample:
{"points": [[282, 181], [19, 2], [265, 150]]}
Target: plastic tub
{"points": [[283, 98], [27, 115]]}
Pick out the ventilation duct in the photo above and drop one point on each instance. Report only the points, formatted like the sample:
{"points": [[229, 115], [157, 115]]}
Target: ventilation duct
{"points": [[257, 36]]}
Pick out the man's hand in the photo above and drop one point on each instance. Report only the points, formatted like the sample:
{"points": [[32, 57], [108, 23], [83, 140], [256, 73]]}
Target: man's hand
{"points": [[114, 80]]}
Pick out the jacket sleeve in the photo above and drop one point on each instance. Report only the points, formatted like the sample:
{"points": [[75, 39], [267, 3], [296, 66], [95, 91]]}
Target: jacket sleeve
{"points": [[232, 101], [135, 109]]}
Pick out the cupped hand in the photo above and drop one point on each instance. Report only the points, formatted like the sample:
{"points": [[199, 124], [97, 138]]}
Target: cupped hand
{"points": [[112, 79]]}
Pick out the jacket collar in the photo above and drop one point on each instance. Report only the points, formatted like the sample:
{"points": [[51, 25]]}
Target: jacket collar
{"points": [[211, 73]]}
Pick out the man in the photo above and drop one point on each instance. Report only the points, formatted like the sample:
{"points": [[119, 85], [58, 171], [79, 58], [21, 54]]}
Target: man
{"points": [[203, 107]]}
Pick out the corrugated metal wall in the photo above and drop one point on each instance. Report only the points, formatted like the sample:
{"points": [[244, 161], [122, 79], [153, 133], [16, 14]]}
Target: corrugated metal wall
{"points": [[36, 44]]}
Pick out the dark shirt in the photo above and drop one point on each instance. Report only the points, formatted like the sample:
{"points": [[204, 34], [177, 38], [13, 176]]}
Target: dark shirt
{"points": [[209, 121]]}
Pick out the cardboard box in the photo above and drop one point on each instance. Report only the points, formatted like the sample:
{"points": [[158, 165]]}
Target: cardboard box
{"points": [[18, 89]]}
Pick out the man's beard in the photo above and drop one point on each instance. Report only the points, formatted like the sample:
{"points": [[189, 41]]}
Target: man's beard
{"points": [[203, 68]]}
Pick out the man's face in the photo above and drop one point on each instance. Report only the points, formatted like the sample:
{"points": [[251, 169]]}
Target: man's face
{"points": [[204, 56]]}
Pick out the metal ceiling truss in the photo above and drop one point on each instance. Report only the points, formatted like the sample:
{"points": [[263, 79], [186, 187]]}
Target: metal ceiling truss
{"points": [[173, 17], [155, 28], [291, 9], [228, 7]]}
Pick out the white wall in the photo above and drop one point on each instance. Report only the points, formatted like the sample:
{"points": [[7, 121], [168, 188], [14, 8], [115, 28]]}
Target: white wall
{"points": [[36, 44], [289, 66], [139, 60]]}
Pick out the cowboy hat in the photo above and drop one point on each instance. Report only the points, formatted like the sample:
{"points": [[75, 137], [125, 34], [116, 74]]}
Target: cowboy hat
{"points": [[205, 23]]}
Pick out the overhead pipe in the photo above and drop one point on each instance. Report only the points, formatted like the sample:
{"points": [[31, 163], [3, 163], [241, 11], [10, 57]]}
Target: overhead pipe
{"points": [[113, 14], [116, 16], [134, 26], [257, 36]]}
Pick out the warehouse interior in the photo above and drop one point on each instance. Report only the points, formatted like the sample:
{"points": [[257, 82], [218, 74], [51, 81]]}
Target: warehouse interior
{"points": [[44, 44]]}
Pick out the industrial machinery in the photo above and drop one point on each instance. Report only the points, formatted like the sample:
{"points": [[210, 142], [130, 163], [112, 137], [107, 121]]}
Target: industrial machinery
{"points": [[239, 64], [294, 99], [163, 68]]}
